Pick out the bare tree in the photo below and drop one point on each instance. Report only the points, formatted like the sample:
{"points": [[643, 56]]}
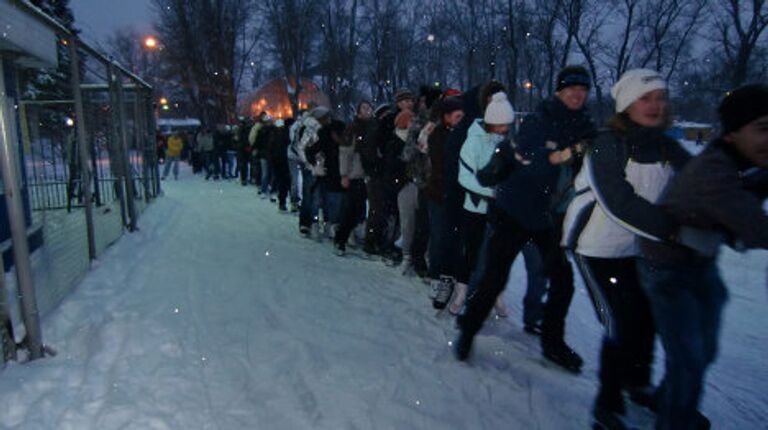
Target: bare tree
{"points": [[292, 25], [200, 47], [740, 30]]}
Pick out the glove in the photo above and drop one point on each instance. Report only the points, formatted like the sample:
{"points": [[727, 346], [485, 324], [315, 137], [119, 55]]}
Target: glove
{"points": [[317, 170]]}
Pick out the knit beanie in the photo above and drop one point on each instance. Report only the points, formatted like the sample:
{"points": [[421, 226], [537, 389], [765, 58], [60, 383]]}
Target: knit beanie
{"points": [[742, 106], [499, 110], [450, 104], [381, 108], [403, 94], [573, 75], [634, 84]]}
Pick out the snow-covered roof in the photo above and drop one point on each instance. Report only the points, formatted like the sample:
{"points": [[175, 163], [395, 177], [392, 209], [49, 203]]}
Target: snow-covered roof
{"points": [[27, 36], [179, 122], [691, 124]]}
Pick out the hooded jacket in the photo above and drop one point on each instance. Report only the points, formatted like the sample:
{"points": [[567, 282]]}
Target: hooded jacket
{"points": [[475, 154], [627, 173]]}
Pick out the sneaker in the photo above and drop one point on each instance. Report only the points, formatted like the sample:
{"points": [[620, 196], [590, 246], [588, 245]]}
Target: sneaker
{"points": [[562, 355], [444, 292], [458, 298]]}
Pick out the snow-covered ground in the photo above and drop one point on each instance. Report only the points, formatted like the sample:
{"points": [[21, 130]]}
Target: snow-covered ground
{"points": [[217, 315]]}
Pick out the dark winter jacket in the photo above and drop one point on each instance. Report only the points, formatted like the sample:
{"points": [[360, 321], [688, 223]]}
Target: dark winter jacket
{"points": [[391, 148], [528, 193], [436, 182], [626, 171], [370, 148], [454, 193], [329, 149], [261, 145], [720, 194], [277, 146]]}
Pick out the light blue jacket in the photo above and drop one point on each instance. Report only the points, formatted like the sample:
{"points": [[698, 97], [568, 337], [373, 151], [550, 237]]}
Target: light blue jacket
{"points": [[475, 154]]}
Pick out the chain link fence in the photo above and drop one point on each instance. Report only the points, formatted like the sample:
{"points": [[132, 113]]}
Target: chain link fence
{"points": [[78, 163]]}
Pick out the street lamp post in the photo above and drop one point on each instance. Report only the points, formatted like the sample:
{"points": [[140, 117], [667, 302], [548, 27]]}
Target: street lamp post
{"points": [[529, 86]]}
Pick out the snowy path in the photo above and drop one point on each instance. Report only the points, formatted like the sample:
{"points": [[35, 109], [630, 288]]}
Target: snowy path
{"points": [[217, 315]]}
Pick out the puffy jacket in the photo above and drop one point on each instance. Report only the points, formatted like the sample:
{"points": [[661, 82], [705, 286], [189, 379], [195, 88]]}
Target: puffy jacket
{"points": [[475, 154], [627, 173], [175, 145]]}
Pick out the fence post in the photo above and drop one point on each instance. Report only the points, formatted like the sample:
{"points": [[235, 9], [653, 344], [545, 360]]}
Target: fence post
{"points": [[82, 139], [127, 170], [12, 190], [152, 137]]}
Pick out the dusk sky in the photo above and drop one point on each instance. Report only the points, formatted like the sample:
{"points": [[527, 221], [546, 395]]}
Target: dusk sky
{"points": [[98, 19]]}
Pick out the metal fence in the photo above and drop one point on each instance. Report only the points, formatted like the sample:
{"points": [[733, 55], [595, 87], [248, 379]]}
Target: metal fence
{"points": [[78, 165]]}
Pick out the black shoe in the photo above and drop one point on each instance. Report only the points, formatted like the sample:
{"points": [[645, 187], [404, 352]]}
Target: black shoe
{"points": [[305, 230], [644, 396], [339, 249], [282, 208], [533, 329], [370, 249], [463, 346], [604, 419], [562, 355]]}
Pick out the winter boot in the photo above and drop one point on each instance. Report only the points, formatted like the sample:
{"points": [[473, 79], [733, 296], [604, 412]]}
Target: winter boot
{"points": [[339, 249], [463, 346], [305, 231], [561, 354], [444, 292], [294, 207], [458, 298], [501, 308]]}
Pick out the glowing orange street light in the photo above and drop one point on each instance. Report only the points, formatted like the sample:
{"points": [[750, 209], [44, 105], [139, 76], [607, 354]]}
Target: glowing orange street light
{"points": [[163, 101], [150, 42]]}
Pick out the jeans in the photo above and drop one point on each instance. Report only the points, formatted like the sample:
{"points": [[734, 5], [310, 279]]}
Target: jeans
{"points": [[439, 244], [266, 175], [295, 171], [533, 302], [174, 160], [353, 203], [231, 164], [687, 302], [329, 202]]}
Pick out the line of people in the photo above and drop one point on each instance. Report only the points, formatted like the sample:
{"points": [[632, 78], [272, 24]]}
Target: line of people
{"points": [[451, 186]]}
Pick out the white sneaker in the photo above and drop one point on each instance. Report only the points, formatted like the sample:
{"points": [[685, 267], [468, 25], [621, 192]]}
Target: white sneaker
{"points": [[444, 292], [458, 298]]}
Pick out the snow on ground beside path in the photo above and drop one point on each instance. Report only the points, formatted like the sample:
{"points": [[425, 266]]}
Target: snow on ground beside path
{"points": [[217, 315]]}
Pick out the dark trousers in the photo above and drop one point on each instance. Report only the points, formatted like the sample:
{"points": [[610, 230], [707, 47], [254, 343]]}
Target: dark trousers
{"points": [[687, 303], [472, 233], [420, 244], [504, 240], [377, 221], [623, 308], [353, 202], [281, 179], [307, 211], [243, 166]]}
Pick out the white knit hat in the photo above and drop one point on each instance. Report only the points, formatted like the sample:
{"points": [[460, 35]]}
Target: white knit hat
{"points": [[634, 84], [499, 110]]}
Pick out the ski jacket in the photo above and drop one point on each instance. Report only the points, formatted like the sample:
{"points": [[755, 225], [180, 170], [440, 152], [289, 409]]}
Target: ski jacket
{"points": [[436, 189], [294, 134], [720, 195], [530, 194], [309, 136], [475, 154], [623, 175], [175, 145]]}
